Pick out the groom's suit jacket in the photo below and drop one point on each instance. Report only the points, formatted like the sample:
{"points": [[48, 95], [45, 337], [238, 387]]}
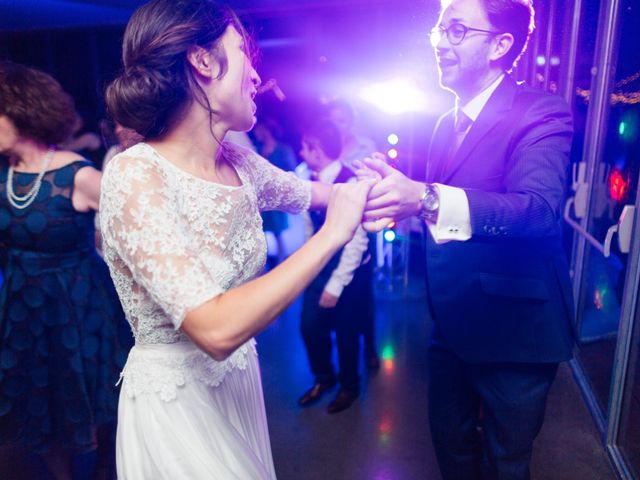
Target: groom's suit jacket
{"points": [[505, 295]]}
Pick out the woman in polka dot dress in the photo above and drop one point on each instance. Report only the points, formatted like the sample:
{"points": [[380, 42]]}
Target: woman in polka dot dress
{"points": [[63, 337]]}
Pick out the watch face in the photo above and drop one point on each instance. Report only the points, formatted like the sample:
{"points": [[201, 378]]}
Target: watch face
{"points": [[430, 204], [430, 201]]}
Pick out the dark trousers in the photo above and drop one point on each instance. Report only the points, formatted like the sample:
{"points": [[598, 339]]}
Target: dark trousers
{"points": [[484, 417], [346, 319]]}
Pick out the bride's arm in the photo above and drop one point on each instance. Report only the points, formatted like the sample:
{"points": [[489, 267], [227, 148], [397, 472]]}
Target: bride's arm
{"points": [[225, 322], [228, 320]]}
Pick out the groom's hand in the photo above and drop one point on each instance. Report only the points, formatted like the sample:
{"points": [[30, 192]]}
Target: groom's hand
{"points": [[394, 197]]}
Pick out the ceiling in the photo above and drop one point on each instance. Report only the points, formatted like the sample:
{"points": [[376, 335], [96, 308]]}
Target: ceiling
{"points": [[22, 15]]}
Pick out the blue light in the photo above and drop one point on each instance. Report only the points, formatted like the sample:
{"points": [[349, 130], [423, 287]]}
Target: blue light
{"points": [[389, 235]]}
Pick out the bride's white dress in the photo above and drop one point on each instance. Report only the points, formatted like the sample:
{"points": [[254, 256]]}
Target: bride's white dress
{"points": [[173, 241]]}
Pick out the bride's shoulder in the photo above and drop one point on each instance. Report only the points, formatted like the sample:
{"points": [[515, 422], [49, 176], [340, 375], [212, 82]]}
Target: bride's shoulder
{"points": [[136, 167], [140, 157]]}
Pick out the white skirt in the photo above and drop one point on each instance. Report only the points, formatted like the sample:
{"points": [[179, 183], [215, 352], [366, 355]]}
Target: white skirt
{"points": [[205, 432]]}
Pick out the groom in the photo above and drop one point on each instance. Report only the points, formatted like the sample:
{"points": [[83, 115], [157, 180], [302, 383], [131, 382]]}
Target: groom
{"points": [[498, 282]]}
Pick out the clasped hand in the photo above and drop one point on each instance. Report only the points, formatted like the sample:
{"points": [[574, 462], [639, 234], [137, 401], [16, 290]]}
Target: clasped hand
{"points": [[345, 209], [394, 196]]}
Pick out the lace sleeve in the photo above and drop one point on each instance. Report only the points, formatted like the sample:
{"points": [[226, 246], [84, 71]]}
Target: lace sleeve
{"points": [[275, 188], [143, 232]]}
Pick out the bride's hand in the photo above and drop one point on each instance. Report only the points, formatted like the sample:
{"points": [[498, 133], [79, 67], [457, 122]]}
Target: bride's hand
{"points": [[363, 172], [345, 209]]}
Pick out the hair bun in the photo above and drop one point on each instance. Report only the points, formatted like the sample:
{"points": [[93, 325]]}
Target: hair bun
{"points": [[143, 100]]}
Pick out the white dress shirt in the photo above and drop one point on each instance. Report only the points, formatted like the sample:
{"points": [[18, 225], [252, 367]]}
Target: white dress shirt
{"points": [[454, 218], [352, 253]]}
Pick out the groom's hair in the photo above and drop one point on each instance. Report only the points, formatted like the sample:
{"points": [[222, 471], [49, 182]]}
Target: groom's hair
{"points": [[516, 17]]}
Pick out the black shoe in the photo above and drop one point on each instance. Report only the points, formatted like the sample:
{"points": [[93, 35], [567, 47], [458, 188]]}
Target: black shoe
{"points": [[314, 393], [344, 399]]}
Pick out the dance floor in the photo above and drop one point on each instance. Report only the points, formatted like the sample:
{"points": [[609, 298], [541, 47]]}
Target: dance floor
{"points": [[385, 434]]}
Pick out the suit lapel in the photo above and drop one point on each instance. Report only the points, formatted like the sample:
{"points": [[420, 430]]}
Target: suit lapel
{"points": [[500, 102], [440, 142]]}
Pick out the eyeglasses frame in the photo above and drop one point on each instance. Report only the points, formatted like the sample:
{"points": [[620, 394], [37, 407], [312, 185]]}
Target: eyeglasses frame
{"points": [[444, 31]]}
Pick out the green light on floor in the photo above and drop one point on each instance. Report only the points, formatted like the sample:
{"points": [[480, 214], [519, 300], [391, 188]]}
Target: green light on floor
{"points": [[387, 352], [621, 128]]}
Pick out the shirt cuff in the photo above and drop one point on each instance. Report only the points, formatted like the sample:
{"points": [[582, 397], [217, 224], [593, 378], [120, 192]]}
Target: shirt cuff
{"points": [[334, 287], [454, 219]]}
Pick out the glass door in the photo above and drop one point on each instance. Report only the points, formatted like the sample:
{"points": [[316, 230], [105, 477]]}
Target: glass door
{"points": [[623, 433], [603, 214], [597, 273]]}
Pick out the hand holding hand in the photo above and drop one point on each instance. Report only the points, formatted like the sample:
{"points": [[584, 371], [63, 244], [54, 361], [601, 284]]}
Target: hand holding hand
{"points": [[394, 197], [345, 209], [363, 172]]}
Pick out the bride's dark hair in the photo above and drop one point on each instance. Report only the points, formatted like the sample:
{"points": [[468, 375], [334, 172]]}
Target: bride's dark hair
{"points": [[157, 81]]}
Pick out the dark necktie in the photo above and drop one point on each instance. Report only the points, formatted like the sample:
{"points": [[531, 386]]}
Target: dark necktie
{"points": [[460, 128]]}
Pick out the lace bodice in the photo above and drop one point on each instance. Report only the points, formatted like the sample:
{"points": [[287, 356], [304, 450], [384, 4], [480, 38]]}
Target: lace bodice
{"points": [[173, 241]]}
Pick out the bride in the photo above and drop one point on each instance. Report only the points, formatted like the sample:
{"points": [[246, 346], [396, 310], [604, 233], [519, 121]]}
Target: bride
{"points": [[183, 241]]}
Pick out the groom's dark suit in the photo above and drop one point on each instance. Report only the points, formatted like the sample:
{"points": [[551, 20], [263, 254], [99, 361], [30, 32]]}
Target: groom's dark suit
{"points": [[501, 301]]}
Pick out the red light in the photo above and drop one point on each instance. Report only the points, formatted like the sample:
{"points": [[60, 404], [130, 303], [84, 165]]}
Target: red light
{"points": [[597, 300], [385, 426], [392, 224], [392, 153], [618, 186], [388, 366]]}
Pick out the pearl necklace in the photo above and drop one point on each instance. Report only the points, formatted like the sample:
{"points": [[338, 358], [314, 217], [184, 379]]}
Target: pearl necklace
{"points": [[23, 201]]}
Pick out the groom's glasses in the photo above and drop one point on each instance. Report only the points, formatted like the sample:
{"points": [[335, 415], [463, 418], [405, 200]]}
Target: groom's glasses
{"points": [[456, 32]]}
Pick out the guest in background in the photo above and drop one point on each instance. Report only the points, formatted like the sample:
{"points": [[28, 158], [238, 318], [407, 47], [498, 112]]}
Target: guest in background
{"points": [[268, 139], [63, 338], [86, 143], [355, 147], [340, 298]]}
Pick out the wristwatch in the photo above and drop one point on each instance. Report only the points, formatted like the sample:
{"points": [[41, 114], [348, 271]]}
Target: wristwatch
{"points": [[429, 203]]}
